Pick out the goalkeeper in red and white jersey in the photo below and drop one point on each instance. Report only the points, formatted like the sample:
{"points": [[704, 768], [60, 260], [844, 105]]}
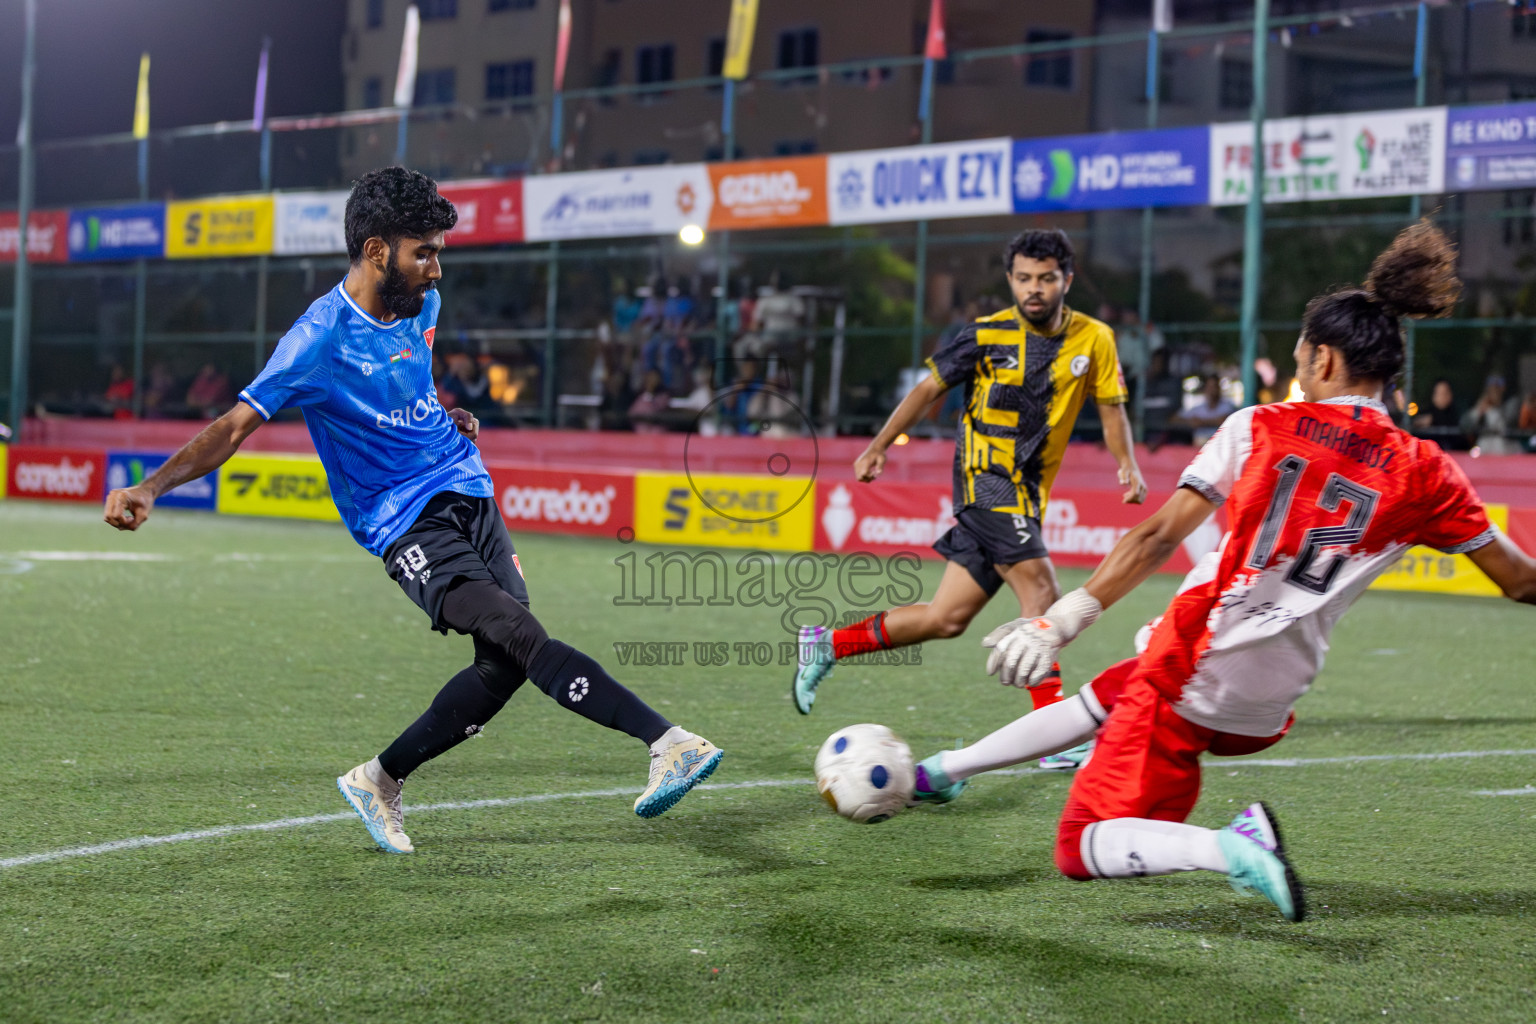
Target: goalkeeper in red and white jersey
{"points": [[1322, 496]]}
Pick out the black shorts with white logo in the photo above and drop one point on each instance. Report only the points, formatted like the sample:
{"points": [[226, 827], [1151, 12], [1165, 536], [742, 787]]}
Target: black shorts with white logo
{"points": [[982, 539], [455, 537]]}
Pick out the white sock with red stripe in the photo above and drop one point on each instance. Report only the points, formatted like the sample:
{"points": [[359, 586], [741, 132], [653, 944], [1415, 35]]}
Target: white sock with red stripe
{"points": [[1133, 847], [1048, 730]]}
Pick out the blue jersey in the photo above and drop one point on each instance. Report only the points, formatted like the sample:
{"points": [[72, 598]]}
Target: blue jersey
{"points": [[366, 391]]}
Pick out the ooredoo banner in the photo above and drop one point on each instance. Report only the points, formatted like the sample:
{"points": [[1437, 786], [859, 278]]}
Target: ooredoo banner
{"points": [[791, 192], [489, 211], [47, 231], [614, 204], [55, 474], [956, 179], [557, 501], [309, 223]]}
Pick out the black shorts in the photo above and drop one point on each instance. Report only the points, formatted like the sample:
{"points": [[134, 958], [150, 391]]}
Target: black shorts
{"points": [[982, 539], [455, 537]]}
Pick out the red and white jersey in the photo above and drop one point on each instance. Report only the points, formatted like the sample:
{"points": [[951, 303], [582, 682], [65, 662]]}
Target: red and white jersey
{"points": [[1321, 498]]}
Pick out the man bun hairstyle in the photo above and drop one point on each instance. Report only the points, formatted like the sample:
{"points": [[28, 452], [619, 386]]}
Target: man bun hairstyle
{"points": [[1415, 276], [394, 203], [1040, 244]]}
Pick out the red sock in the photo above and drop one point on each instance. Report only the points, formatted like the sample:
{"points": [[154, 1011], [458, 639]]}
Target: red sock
{"points": [[1048, 690], [866, 636]]}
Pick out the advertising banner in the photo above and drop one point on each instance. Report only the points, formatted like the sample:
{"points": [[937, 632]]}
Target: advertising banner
{"points": [[721, 510], [1428, 571], [1340, 156], [1119, 170], [1491, 147], [791, 192], [55, 474], [489, 211], [4, 462], [126, 469], [46, 236], [559, 501], [287, 486], [117, 233], [613, 204], [956, 179], [222, 226], [309, 223]]}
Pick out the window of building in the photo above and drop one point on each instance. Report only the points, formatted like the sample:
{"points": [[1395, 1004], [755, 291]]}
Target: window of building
{"points": [[434, 87], [437, 10], [511, 5], [373, 92], [1520, 227], [799, 48], [714, 57], [375, 16], [653, 64], [609, 71], [794, 147], [509, 80], [1048, 70], [1236, 84], [1522, 24], [647, 157]]}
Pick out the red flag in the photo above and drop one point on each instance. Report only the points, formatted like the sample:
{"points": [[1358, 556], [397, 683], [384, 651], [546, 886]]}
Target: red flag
{"points": [[936, 47], [562, 43]]}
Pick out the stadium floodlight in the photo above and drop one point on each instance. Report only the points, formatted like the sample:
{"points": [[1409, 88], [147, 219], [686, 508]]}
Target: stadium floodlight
{"points": [[691, 234]]}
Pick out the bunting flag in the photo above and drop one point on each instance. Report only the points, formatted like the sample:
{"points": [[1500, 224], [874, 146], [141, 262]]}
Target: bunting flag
{"points": [[738, 39], [141, 101], [405, 78], [937, 47], [1162, 15], [562, 43], [259, 112]]}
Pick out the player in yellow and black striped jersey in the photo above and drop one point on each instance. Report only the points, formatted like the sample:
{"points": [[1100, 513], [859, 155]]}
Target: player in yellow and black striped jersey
{"points": [[1026, 372]]}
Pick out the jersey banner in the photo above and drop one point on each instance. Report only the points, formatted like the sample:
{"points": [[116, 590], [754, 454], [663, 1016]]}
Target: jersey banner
{"points": [[308, 223], [544, 500], [46, 236], [286, 486], [489, 211], [223, 226], [128, 469], [1429, 571], [722, 510], [791, 192], [55, 474], [956, 179]]}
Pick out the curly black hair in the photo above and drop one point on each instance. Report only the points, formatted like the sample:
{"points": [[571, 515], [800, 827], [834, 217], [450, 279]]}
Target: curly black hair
{"points": [[1040, 244], [394, 203], [1414, 277]]}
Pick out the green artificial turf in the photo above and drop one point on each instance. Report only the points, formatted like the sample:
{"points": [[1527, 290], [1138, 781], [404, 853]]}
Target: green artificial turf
{"points": [[229, 683]]}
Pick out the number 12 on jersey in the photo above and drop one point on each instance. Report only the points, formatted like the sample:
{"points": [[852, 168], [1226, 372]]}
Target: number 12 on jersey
{"points": [[1336, 491]]}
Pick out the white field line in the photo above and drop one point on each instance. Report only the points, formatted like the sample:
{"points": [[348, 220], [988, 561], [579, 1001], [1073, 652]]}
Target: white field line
{"points": [[1522, 791], [280, 824], [89, 556]]}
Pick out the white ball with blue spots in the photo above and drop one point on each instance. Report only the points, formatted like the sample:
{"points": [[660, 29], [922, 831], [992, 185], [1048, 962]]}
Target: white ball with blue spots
{"points": [[865, 773]]}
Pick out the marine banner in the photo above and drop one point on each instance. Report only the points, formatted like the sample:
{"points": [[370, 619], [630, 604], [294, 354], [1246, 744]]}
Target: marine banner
{"points": [[616, 204], [221, 226], [721, 510], [791, 192], [287, 486]]}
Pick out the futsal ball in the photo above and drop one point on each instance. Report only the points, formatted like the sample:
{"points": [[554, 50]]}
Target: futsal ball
{"points": [[865, 773]]}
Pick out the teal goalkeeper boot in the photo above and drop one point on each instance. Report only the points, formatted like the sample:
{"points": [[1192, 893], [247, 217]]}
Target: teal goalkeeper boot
{"points": [[932, 785], [814, 664], [1256, 861]]}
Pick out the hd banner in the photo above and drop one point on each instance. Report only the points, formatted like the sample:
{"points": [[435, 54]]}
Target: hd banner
{"points": [[128, 469], [615, 204], [1119, 170], [117, 233], [1338, 156], [1491, 147], [956, 179], [221, 226], [309, 223]]}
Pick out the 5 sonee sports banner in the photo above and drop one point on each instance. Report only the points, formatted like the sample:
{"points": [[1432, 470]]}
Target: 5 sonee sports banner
{"points": [[791, 192], [221, 226], [55, 474], [544, 500], [725, 510], [47, 232]]}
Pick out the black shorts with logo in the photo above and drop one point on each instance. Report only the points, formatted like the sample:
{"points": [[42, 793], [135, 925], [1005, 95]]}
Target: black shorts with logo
{"points": [[455, 537], [982, 538]]}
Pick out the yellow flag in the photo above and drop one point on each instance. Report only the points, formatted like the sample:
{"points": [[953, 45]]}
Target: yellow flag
{"points": [[738, 38], [141, 102]]}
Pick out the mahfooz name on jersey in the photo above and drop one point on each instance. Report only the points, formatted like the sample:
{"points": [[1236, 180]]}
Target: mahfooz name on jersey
{"points": [[1346, 442], [419, 412]]}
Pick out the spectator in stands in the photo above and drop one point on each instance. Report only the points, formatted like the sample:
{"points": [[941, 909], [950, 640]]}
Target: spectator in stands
{"points": [[735, 402], [119, 396], [467, 385], [1441, 420], [210, 396], [699, 401], [1525, 422], [772, 409], [778, 315], [677, 311], [1204, 418], [1160, 404], [648, 412], [613, 411], [161, 396], [1488, 421]]}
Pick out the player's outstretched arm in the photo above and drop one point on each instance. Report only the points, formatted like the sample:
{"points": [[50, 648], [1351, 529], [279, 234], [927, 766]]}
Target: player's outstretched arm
{"points": [[127, 508], [871, 463], [1121, 442], [1512, 569], [1023, 650]]}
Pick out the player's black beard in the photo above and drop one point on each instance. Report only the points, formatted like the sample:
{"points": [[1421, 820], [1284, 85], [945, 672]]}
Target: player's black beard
{"points": [[1043, 322], [398, 297]]}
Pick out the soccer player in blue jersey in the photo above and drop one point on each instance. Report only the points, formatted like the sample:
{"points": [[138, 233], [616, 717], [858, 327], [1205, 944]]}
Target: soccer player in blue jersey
{"points": [[409, 484]]}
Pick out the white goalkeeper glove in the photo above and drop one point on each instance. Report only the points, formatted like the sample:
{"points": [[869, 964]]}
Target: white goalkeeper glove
{"points": [[1024, 650]]}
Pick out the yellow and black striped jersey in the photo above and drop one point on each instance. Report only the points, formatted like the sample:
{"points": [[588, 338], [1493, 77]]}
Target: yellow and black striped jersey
{"points": [[1022, 395]]}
